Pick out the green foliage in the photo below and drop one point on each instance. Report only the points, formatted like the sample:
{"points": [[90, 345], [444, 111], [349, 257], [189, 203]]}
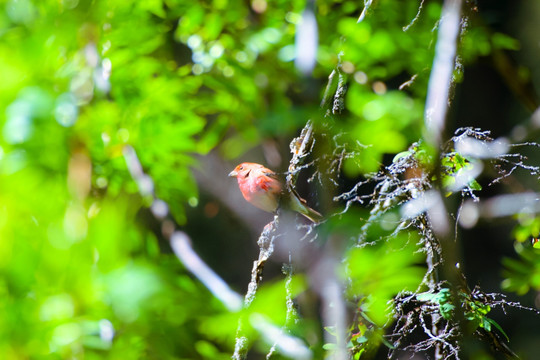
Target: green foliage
{"points": [[522, 274], [387, 119], [379, 273], [454, 166], [377, 51], [81, 274], [478, 41], [528, 227], [271, 305], [71, 285], [475, 311], [443, 298], [375, 275], [365, 337]]}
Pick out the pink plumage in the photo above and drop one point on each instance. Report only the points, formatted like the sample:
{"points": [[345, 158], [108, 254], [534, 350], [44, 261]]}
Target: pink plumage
{"points": [[261, 188]]}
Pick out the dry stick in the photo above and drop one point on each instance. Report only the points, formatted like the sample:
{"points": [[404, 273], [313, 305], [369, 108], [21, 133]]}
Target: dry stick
{"points": [[334, 313], [287, 345], [300, 147], [413, 21], [330, 287], [266, 248], [438, 98], [440, 79], [367, 6], [292, 315]]}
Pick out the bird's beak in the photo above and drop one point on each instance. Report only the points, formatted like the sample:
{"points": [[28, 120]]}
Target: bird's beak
{"points": [[233, 173]]}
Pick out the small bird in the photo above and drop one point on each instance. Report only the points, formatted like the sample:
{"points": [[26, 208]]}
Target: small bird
{"points": [[260, 187]]}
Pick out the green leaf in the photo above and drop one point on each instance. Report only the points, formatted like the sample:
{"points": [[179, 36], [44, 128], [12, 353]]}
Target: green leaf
{"points": [[503, 41], [331, 330], [400, 155], [446, 310], [494, 323], [428, 297], [329, 346], [474, 185], [486, 324]]}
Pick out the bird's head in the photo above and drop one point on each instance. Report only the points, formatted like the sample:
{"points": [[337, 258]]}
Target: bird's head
{"points": [[243, 169]]}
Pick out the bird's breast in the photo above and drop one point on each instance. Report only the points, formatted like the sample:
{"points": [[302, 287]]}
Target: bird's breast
{"points": [[262, 193]]}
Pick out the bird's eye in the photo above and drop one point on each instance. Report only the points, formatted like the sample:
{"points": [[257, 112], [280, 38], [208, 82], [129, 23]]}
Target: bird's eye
{"points": [[241, 168]]}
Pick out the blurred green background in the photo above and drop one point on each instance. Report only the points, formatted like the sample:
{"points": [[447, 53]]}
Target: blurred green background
{"points": [[197, 87]]}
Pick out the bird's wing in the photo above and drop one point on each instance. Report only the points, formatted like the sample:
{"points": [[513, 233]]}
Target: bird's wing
{"points": [[271, 174]]}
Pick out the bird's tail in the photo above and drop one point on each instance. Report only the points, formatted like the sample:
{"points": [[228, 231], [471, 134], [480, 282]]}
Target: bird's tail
{"points": [[300, 205]]}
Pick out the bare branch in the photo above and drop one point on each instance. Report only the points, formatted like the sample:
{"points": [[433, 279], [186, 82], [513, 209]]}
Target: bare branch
{"points": [[181, 245], [441, 73]]}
